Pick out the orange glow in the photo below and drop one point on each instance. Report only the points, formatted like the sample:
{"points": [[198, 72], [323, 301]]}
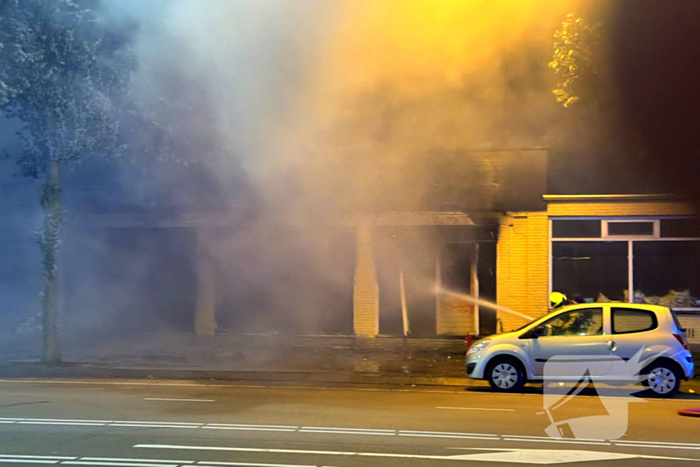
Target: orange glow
{"points": [[420, 46]]}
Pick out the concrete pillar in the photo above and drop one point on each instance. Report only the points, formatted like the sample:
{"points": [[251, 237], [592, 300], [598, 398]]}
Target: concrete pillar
{"points": [[366, 289], [205, 312]]}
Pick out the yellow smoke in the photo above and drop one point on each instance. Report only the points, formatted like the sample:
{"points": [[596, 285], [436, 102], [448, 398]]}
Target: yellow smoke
{"points": [[420, 46]]}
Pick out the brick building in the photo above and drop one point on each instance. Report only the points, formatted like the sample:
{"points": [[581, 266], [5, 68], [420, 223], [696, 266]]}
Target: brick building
{"points": [[498, 236], [646, 243]]}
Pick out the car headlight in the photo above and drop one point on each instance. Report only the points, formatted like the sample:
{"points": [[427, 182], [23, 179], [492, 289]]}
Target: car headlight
{"points": [[479, 346]]}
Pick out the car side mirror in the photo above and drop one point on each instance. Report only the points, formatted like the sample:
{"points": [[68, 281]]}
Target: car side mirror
{"points": [[535, 333]]}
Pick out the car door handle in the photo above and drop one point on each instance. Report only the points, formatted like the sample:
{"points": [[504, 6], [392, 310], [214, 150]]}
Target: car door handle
{"points": [[612, 345]]}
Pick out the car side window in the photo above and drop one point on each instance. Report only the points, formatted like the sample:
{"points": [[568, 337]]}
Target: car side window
{"points": [[629, 320], [584, 322]]}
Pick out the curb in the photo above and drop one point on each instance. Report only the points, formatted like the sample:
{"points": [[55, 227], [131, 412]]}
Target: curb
{"points": [[690, 412], [84, 371]]}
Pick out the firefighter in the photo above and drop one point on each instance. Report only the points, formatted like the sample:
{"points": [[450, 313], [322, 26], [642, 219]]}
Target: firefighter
{"points": [[557, 300]]}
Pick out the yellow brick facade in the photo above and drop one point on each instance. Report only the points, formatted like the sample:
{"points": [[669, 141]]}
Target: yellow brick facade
{"points": [[454, 317], [523, 249], [605, 209], [366, 289], [522, 263]]}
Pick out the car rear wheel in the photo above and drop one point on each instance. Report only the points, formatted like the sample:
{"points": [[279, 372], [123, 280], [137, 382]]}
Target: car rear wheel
{"points": [[505, 375], [662, 379]]}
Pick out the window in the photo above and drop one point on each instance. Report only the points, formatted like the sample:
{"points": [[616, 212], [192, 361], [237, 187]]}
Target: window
{"points": [[597, 271], [626, 320], [667, 273], [630, 228], [576, 229], [586, 322], [679, 228], [623, 259]]}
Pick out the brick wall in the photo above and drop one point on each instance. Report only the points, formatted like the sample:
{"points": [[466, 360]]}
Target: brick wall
{"points": [[454, 317], [620, 209], [522, 267], [691, 323], [523, 250], [366, 289]]}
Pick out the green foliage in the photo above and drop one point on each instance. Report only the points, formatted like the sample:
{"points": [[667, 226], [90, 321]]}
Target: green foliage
{"points": [[576, 56], [56, 77], [63, 77]]}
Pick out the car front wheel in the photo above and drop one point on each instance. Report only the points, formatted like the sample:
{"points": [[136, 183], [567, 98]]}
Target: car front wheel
{"points": [[505, 375]]}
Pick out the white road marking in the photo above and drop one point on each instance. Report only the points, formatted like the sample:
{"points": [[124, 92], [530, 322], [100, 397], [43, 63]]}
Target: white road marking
{"points": [[447, 433], [657, 446], [286, 451], [152, 425], [243, 425], [347, 432], [251, 464], [123, 464], [476, 408], [160, 423], [27, 461], [373, 430], [176, 400], [553, 456], [240, 428], [27, 422], [621, 441], [416, 435], [557, 440], [61, 420], [341, 431], [119, 459], [549, 437], [20, 456], [525, 456]]}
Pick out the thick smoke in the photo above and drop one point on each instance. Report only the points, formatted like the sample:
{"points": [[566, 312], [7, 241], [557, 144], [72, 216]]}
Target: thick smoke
{"points": [[326, 111], [297, 117]]}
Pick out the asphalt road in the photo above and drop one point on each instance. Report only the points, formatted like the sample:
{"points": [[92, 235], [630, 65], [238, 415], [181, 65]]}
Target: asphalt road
{"points": [[149, 423]]}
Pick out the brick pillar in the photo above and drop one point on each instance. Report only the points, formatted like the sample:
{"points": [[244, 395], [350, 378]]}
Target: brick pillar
{"points": [[205, 312], [522, 265], [366, 289]]}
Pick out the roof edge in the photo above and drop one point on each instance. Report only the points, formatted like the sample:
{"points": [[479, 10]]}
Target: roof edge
{"points": [[608, 198]]}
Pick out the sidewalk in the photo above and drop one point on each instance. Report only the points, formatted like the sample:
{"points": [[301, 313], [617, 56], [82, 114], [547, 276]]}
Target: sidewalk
{"points": [[249, 357], [245, 357]]}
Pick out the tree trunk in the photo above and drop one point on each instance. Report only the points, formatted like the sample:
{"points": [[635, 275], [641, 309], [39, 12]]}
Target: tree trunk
{"points": [[49, 240]]}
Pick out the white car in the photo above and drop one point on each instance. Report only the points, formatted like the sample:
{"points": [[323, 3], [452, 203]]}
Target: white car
{"points": [[620, 342]]}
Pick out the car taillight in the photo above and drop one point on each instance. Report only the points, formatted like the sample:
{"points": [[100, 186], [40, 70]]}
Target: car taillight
{"points": [[681, 339]]}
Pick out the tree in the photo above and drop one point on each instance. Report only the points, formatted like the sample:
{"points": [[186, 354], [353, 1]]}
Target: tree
{"points": [[62, 76], [576, 58]]}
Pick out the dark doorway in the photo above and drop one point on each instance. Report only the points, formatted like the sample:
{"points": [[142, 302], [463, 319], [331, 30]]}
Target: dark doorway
{"points": [[486, 269], [411, 251], [129, 279]]}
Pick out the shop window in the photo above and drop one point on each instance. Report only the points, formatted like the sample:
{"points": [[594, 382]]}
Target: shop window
{"points": [[680, 228], [595, 271], [667, 273], [630, 228], [626, 321], [576, 229]]}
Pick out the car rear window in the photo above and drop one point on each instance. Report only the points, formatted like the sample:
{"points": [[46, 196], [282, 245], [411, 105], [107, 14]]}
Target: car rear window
{"points": [[628, 320]]}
